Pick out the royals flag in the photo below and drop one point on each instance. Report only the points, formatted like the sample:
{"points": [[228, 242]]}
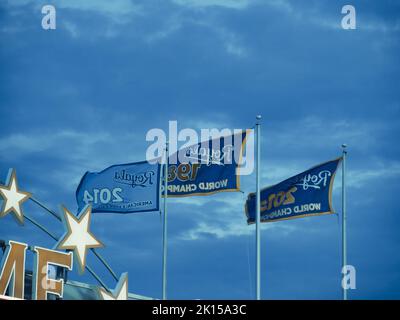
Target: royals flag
{"points": [[306, 194], [123, 188], [208, 167]]}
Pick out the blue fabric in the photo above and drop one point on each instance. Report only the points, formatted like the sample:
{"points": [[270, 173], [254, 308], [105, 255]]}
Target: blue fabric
{"points": [[187, 178], [124, 188]]}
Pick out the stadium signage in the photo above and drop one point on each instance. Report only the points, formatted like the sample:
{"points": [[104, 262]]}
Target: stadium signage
{"points": [[12, 271]]}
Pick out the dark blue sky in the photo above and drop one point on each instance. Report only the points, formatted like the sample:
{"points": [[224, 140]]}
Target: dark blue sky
{"points": [[83, 96]]}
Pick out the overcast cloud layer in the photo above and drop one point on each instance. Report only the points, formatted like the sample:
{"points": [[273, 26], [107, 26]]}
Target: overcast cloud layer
{"points": [[83, 96]]}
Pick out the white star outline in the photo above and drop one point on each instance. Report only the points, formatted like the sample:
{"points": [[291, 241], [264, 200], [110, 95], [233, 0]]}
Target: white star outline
{"points": [[119, 293], [78, 237], [13, 198]]}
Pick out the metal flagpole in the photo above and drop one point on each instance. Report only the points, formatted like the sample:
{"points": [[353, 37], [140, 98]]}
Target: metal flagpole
{"points": [[258, 244], [164, 264], [344, 217]]}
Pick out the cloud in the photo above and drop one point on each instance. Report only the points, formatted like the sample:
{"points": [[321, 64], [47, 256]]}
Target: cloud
{"points": [[73, 151], [232, 4], [209, 65], [172, 25], [359, 178], [71, 28], [203, 228], [228, 219], [232, 43], [282, 5], [221, 216], [21, 144], [75, 17], [109, 8], [333, 133], [381, 26], [229, 228], [115, 7]]}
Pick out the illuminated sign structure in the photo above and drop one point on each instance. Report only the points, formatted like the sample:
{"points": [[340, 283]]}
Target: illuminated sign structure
{"points": [[77, 239]]}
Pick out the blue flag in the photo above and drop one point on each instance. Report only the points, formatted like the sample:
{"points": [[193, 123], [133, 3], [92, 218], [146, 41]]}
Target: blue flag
{"points": [[306, 194], [123, 188], [207, 170]]}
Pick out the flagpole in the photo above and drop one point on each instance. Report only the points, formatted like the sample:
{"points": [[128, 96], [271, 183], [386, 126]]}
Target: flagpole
{"points": [[164, 265], [258, 243], [344, 217]]}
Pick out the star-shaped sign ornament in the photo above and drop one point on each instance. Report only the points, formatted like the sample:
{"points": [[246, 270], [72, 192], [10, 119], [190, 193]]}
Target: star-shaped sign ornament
{"points": [[13, 198], [119, 293], [78, 237]]}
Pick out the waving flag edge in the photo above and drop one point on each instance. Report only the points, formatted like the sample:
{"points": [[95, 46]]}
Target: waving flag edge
{"points": [[331, 211]]}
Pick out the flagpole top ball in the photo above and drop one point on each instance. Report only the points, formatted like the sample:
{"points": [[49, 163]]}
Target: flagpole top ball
{"points": [[344, 147], [258, 117]]}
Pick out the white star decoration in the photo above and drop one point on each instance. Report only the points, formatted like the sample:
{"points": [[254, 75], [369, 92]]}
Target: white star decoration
{"points": [[13, 198], [78, 237], [119, 293]]}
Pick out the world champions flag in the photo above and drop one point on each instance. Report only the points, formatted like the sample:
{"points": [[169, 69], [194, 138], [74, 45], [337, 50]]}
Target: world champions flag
{"points": [[205, 169], [123, 188], [306, 194]]}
